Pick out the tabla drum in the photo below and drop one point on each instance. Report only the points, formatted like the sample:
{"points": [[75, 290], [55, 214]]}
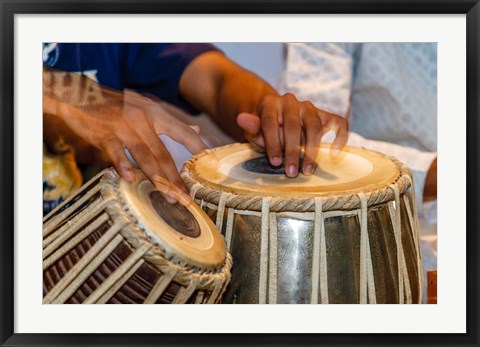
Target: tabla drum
{"points": [[117, 242], [346, 234]]}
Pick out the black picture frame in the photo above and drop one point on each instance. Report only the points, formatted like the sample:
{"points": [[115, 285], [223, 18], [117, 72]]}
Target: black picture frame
{"points": [[9, 9]]}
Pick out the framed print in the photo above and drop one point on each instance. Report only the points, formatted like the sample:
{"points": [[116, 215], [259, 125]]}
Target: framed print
{"points": [[346, 235]]}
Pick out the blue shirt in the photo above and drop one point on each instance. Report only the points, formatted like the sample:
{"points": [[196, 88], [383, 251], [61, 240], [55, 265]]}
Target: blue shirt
{"points": [[153, 68]]}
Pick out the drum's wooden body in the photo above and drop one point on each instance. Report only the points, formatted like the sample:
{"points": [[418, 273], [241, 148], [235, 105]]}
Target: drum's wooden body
{"points": [[115, 242], [347, 234]]}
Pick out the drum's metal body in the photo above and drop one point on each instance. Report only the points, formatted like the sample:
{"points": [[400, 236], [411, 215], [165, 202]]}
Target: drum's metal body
{"points": [[339, 247], [295, 239], [97, 249]]}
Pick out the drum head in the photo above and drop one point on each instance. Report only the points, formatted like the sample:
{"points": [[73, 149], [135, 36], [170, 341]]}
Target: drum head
{"points": [[185, 233], [240, 170]]}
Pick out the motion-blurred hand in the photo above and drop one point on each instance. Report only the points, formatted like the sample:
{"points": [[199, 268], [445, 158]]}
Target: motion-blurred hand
{"points": [[110, 121]]}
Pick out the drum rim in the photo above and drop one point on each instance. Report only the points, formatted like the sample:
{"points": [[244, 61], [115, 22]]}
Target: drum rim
{"points": [[158, 255], [248, 201]]}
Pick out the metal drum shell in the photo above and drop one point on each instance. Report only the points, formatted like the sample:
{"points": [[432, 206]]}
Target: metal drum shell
{"points": [[289, 275]]}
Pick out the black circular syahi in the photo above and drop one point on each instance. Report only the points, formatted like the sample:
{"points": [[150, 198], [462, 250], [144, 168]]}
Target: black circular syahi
{"points": [[175, 215], [262, 165]]}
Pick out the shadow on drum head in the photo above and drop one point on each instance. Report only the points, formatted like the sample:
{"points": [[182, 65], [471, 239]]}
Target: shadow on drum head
{"points": [[261, 165]]}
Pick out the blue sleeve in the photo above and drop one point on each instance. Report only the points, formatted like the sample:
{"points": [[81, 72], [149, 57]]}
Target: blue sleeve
{"points": [[157, 68]]}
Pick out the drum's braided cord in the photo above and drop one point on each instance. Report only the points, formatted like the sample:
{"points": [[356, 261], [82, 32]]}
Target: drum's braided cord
{"points": [[158, 256], [403, 280], [263, 281], [415, 227], [277, 204], [273, 259], [367, 282], [319, 263]]}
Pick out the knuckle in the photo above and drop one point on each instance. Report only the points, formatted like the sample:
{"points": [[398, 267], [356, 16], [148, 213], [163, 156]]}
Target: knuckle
{"points": [[267, 101], [140, 149], [308, 105], [289, 97]]}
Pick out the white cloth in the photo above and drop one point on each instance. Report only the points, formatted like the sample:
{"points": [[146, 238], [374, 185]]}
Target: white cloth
{"points": [[386, 90]]}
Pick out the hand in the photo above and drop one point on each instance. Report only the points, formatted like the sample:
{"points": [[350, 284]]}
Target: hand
{"points": [[110, 121], [283, 122]]}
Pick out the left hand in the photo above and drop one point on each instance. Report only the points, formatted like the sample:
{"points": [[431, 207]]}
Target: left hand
{"points": [[283, 122]]}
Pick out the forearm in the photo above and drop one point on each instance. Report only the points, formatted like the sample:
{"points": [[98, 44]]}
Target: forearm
{"points": [[63, 91], [239, 92], [217, 86]]}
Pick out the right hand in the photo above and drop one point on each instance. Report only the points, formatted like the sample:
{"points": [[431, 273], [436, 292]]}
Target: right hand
{"points": [[110, 121], [283, 124]]}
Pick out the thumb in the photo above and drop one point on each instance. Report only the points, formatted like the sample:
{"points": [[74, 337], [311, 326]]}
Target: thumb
{"points": [[249, 123], [251, 126]]}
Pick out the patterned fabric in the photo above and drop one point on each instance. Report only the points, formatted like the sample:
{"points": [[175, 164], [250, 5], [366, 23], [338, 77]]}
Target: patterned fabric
{"points": [[387, 90], [391, 88], [61, 178]]}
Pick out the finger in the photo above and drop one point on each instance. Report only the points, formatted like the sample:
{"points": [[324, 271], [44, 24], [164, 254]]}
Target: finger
{"points": [[140, 124], [269, 114], [292, 129], [181, 133], [340, 126], [113, 147], [166, 162], [142, 129], [251, 126], [340, 141], [171, 192], [313, 135], [155, 173], [164, 123]]}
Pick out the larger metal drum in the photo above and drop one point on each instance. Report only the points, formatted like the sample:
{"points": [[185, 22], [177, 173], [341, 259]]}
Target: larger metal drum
{"points": [[347, 234]]}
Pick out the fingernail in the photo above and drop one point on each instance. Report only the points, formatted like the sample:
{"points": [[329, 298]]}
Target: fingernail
{"points": [[171, 198], [292, 171], [335, 152], [276, 161], [308, 170]]}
